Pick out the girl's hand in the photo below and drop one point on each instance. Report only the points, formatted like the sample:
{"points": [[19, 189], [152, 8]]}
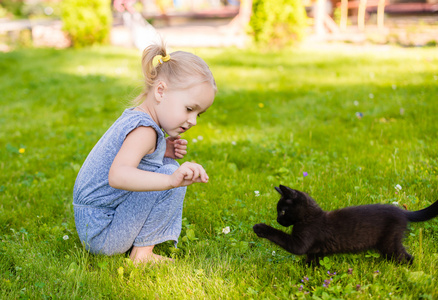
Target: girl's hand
{"points": [[175, 147], [187, 174]]}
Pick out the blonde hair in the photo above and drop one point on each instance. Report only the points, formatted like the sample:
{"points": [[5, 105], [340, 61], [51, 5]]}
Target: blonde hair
{"points": [[183, 70]]}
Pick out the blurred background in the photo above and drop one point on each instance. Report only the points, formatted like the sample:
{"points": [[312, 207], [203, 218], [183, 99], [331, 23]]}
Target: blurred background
{"points": [[216, 23]]}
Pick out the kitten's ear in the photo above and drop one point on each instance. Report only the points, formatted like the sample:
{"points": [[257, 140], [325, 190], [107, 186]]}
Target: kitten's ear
{"points": [[279, 190], [287, 192]]}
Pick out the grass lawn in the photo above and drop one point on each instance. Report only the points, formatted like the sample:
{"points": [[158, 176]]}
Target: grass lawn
{"points": [[357, 122]]}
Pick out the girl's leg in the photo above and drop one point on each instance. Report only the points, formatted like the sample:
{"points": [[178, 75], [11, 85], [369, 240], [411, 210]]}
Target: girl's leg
{"points": [[146, 219], [155, 231]]}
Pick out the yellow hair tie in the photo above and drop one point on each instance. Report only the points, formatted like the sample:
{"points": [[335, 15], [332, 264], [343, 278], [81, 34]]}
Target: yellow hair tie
{"points": [[159, 59]]}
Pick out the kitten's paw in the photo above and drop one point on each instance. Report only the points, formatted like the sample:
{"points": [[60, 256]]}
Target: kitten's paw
{"points": [[260, 229]]}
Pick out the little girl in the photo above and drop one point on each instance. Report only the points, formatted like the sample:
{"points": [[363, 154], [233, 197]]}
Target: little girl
{"points": [[129, 192]]}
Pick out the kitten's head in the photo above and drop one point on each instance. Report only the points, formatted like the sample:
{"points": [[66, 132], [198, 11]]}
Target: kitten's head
{"points": [[294, 206]]}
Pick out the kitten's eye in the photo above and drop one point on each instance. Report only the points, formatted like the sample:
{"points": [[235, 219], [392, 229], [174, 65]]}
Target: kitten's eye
{"points": [[282, 212]]}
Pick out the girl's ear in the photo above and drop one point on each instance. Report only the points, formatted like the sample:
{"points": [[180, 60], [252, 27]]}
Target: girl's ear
{"points": [[159, 90]]}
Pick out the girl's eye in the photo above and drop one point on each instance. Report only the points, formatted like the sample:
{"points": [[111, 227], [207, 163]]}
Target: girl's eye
{"points": [[189, 109]]}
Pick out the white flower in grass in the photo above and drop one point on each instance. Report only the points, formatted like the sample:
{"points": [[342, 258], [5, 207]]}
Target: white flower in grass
{"points": [[200, 137], [398, 187], [226, 230], [257, 193], [273, 253], [233, 143], [194, 140], [65, 237], [395, 203]]}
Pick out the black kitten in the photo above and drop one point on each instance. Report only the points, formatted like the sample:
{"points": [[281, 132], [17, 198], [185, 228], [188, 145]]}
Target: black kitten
{"points": [[318, 233]]}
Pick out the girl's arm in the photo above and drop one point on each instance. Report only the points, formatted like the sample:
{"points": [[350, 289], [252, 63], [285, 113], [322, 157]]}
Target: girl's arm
{"points": [[124, 173]]}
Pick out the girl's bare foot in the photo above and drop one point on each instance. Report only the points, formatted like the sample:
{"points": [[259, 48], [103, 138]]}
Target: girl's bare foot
{"points": [[141, 255]]}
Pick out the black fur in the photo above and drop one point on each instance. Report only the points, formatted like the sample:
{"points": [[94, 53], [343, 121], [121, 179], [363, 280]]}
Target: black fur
{"points": [[317, 233]]}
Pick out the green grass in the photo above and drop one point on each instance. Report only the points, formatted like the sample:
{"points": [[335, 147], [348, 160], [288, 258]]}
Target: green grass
{"points": [[275, 117]]}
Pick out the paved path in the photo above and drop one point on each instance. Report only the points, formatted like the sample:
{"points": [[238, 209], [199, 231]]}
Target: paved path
{"points": [[219, 33], [213, 33], [202, 35]]}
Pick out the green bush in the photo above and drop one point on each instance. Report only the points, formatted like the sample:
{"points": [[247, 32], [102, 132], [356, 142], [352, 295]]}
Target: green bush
{"points": [[14, 7], [87, 22], [278, 23], [29, 9]]}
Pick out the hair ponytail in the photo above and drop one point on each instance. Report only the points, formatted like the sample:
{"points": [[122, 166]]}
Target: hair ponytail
{"points": [[180, 70]]}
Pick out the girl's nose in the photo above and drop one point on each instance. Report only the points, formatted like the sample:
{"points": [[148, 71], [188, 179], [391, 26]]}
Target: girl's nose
{"points": [[192, 120]]}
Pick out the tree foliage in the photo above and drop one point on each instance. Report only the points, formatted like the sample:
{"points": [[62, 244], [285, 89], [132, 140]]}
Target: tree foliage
{"points": [[278, 23], [87, 22]]}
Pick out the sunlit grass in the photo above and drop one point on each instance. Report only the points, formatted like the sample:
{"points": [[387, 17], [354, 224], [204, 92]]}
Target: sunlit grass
{"points": [[356, 123]]}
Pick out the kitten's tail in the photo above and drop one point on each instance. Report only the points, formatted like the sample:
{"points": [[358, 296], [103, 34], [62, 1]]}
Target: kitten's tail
{"points": [[424, 214]]}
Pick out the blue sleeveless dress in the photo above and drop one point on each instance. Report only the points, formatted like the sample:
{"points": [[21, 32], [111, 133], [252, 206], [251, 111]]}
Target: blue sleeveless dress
{"points": [[111, 221]]}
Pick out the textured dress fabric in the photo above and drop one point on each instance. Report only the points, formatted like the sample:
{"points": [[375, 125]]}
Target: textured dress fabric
{"points": [[111, 221]]}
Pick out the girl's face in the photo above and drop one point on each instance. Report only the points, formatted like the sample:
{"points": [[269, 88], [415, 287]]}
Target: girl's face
{"points": [[178, 109]]}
